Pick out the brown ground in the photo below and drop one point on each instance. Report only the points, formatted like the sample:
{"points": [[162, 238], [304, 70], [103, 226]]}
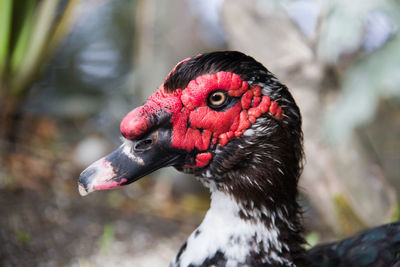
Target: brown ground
{"points": [[44, 221]]}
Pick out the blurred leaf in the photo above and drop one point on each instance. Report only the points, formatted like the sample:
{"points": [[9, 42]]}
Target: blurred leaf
{"points": [[348, 219], [63, 25], [22, 44], [107, 238], [5, 28], [396, 214], [43, 21], [23, 237], [312, 239]]}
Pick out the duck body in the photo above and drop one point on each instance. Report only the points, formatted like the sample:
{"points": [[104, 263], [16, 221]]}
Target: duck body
{"points": [[226, 119], [379, 246]]}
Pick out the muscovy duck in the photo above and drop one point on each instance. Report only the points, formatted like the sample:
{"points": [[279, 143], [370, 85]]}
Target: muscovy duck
{"points": [[225, 118]]}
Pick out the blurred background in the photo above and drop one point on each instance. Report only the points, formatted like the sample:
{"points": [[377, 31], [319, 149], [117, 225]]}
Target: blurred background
{"points": [[70, 70]]}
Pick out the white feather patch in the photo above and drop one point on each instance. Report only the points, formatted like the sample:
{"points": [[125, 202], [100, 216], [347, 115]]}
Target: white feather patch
{"points": [[223, 230]]}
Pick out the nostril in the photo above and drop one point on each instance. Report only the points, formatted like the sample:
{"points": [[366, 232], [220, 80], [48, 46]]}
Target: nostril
{"points": [[143, 145]]}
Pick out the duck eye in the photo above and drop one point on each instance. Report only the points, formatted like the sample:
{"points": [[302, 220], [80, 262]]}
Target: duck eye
{"points": [[217, 99]]}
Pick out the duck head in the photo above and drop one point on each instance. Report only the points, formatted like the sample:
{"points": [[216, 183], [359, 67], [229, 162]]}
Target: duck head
{"points": [[221, 116]]}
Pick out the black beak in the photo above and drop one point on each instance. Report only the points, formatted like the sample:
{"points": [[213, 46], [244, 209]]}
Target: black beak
{"points": [[130, 162]]}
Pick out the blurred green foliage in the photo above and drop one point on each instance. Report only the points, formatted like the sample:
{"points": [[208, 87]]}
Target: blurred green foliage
{"points": [[312, 239], [347, 217], [23, 237], [5, 21], [396, 214], [107, 238], [29, 33]]}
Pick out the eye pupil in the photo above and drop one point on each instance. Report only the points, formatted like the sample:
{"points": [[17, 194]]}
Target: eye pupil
{"points": [[216, 97]]}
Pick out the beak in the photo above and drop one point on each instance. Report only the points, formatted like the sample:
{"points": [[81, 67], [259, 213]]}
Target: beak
{"points": [[130, 162]]}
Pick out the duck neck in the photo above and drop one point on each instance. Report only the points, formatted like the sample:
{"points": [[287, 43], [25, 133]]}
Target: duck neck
{"points": [[234, 233]]}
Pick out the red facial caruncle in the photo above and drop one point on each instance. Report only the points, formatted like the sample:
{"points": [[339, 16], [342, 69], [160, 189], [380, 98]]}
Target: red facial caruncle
{"points": [[197, 126]]}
